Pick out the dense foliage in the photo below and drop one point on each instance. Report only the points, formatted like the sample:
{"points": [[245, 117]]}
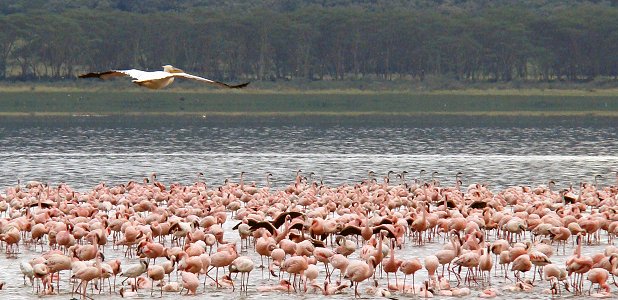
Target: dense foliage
{"points": [[475, 40]]}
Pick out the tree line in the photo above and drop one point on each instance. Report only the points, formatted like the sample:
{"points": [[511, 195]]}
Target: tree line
{"points": [[503, 43]]}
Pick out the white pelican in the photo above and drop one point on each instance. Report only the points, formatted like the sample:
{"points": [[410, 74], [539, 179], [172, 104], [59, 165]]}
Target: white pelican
{"points": [[157, 79]]}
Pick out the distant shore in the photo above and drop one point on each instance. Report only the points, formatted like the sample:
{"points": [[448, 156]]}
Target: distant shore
{"points": [[118, 99], [591, 114], [327, 87]]}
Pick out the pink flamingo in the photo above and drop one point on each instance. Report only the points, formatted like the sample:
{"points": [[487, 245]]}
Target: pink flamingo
{"points": [[329, 289], [157, 273], [189, 282], [392, 264], [339, 262], [578, 264], [599, 276], [87, 274], [295, 265], [359, 271], [222, 258], [56, 263], [284, 285], [410, 267], [244, 266]]}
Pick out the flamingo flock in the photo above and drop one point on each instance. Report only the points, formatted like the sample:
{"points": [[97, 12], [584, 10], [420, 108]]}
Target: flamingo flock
{"points": [[378, 237]]}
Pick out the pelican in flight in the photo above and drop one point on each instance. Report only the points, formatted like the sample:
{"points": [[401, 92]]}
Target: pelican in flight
{"points": [[157, 79]]}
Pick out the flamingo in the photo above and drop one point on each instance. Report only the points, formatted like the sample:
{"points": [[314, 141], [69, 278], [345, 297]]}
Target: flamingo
{"points": [[244, 266], [446, 256], [284, 285], [27, 271], [311, 274], [578, 264], [189, 282], [40, 272], [87, 274], [392, 264], [134, 271], [222, 258], [155, 272], [56, 263], [521, 264], [359, 271], [431, 265], [323, 255], [277, 256], [345, 246], [295, 265], [410, 267], [553, 273], [329, 289], [485, 263], [197, 214], [598, 276], [339, 262]]}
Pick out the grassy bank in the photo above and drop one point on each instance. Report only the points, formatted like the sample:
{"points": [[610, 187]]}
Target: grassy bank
{"points": [[106, 99]]}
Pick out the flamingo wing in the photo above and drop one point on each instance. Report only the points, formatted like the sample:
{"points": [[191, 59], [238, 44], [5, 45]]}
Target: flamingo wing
{"points": [[236, 226], [280, 219], [383, 227], [350, 230], [264, 224], [298, 225], [318, 243], [250, 222], [385, 221]]}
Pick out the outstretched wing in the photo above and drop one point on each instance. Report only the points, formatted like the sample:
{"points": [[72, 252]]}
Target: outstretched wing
{"points": [[266, 225], [202, 79], [385, 227], [133, 73], [349, 230], [280, 219]]}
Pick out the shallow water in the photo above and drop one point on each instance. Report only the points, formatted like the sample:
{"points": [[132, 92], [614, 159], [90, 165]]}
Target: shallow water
{"points": [[85, 151]]}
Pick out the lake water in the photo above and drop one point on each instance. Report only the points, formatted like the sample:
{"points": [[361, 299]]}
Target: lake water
{"points": [[501, 152]]}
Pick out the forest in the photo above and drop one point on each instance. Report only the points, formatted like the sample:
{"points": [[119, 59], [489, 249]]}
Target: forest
{"points": [[279, 40]]}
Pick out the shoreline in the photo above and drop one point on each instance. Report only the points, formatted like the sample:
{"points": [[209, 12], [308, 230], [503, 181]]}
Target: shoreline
{"points": [[260, 89], [62, 101], [532, 114]]}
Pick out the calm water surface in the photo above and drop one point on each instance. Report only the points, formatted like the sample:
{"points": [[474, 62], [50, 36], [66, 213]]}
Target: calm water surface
{"points": [[84, 151]]}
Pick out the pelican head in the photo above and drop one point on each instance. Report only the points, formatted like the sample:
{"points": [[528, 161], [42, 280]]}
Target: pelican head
{"points": [[172, 69]]}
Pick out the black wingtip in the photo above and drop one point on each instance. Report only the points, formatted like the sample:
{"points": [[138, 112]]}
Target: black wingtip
{"points": [[236, 227], [89, 75], [240, 86], [100, 75]]}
